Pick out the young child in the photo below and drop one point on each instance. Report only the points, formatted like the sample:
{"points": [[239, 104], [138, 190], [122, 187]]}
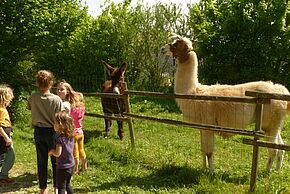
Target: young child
{"points": [[77, 113], [7, 156], [75, 106], [43, 105], [66, 93], [63, 152]]}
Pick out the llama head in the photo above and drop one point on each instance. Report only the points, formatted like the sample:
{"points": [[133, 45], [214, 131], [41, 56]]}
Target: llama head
{"points": [[116, 75], [177, 47]]}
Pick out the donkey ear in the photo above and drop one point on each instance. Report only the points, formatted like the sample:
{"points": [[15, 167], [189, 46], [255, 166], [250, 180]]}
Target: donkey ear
{"points": [[124, 66], [108, 67]]}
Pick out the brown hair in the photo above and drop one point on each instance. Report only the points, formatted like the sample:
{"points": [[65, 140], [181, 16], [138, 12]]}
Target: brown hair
{"points": [[64, 124], [6, 95], [44, 79]]}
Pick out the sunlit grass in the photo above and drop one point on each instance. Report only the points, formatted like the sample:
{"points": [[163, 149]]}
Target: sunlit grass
{"points": [[166, 158]]}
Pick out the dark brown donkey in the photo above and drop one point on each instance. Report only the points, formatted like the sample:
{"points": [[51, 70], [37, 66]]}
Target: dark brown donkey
{"points": [[115, 84]]}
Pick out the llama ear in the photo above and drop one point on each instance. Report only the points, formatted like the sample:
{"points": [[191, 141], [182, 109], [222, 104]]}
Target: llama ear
{"points": [[108, 67], [174, 36]]}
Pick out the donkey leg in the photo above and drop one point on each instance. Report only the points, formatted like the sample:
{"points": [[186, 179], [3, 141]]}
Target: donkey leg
{"points": [[108, 125], [120, 129], [207, 148]]}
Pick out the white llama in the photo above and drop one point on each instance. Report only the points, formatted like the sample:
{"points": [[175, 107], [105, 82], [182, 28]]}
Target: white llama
{"points": [[227, 114]]}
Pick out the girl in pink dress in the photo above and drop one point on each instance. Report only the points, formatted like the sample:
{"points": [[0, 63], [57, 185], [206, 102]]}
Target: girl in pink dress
{"points": [[77, 113]]}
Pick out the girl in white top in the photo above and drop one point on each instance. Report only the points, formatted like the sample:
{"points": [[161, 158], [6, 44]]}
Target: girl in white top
{"points": [[66, 93], [73, 104]]}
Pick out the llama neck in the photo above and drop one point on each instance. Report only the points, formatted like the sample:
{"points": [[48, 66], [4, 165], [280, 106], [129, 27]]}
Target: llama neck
{"points": [[186, 77]]}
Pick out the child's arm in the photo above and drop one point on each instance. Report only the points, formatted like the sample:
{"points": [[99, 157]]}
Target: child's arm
{"points": [[56, 152], [5, 136]]}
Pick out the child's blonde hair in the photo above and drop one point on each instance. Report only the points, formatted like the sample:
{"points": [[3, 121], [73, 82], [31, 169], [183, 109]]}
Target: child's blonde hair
{"points": [[74, 98], [6, 95], [79, 100], [44, 79], [64, 124]]}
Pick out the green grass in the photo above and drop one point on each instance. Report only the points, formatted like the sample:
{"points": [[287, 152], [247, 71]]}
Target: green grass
{"points": [[166, 158]]}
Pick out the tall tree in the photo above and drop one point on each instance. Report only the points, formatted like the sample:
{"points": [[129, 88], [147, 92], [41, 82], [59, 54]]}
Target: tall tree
{"points": [[28, 29], [242, 40], [135, 34]]}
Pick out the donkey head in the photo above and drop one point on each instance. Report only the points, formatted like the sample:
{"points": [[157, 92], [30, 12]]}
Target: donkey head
{"points": [[116, 76]]}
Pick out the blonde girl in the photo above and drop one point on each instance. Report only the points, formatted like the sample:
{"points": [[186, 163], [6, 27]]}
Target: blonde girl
{"points": [[63, 152], [7, 156], [77, 113], [66, 93]]}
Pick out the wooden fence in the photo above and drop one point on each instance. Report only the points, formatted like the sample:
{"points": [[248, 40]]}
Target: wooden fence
{"points": [[260, 99]]}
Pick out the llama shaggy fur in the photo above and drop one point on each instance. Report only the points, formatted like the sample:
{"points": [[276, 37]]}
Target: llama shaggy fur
{"points": [[227, 114]]}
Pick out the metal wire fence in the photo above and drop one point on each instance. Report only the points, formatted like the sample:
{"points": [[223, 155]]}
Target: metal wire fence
{"points": [[90, 83]]}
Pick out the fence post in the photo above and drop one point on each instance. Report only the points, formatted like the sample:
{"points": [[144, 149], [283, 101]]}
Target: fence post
{"points": [[130, 123], [258, 127]]}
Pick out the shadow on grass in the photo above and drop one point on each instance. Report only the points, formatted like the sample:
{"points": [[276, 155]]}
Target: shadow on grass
{"points": [[91, 133], [169, 176], [23, 181]]}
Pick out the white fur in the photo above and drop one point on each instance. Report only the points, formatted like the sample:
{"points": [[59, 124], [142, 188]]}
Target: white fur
{"points": [[116, 90], [227, 114]]}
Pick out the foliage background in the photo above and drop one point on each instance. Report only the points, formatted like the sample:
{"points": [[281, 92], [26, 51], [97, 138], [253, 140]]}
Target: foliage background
{"points": [[236, 41]]}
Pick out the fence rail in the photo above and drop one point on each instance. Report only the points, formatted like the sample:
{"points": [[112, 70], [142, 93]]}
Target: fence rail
{"points": [[198, 97], [215, 128]]}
